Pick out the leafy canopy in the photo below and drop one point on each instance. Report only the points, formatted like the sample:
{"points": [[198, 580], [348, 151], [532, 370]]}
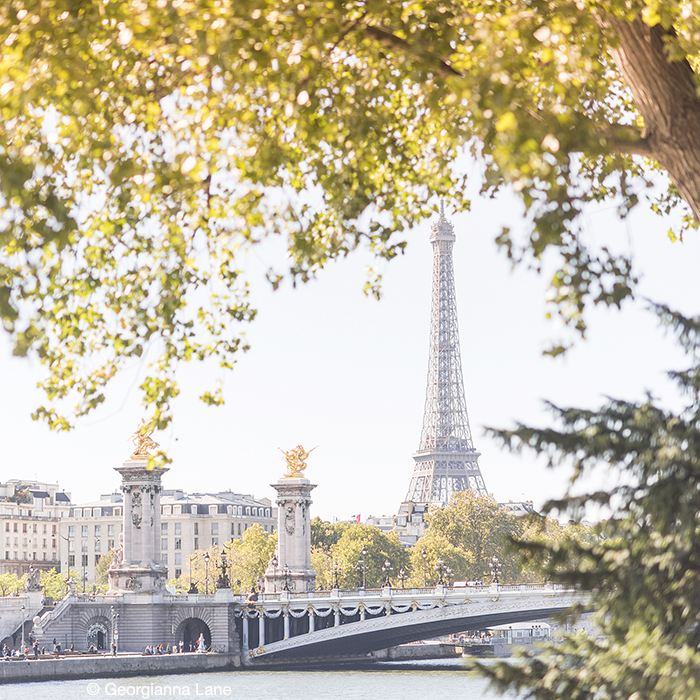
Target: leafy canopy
{"points": [[343, 547], [145, 144]]}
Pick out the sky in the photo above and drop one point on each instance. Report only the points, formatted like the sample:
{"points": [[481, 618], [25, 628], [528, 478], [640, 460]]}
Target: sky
{"points": [[329, 367]]}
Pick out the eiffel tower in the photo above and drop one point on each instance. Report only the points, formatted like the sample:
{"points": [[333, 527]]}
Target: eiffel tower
{"points": [[446, 460]]}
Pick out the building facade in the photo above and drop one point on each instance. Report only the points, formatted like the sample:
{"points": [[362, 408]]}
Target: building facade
{"points": [[188, 522], [30, 517]]}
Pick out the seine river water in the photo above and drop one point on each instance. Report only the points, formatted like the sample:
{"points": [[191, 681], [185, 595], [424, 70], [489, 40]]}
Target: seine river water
{"points": [[438, 680]]}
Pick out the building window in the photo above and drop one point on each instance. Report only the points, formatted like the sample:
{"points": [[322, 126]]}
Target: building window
{"points": [[164, 528], [15, 524], [7, 541], [98, 545], [7, 527], [84, 530], [84, 547], [53, 528], [117, 511], [53, 543], [178, 528], [44, 530], [43, 543], [239, 529], [35, 528], [233, 529], [164, 543], [24, 527], [71, 560], [110, 544], [7, 555], [164, 558], [110, 530], [98, 530], [178, 558], [87, 512], [215, 528], [97, 559], [71, 531], [196, 528], [196, 543], [178, 543], [214, 541], [43, 556], [97, 512], [85, 560], [178, 573]]}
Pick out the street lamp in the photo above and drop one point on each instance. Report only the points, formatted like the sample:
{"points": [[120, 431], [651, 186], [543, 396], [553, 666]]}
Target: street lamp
{"points": [[362, 569], [336, 571], [495, 567], [115, 630], [84, 579], [424, 554], [223, 580], [287, 576], [23, 609], [441, 569], [206, 573], [402, 577], [387, 568]]}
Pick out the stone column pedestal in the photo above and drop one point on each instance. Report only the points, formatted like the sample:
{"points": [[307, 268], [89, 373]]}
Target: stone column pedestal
{"points": [[136, 567], [293, 538]]}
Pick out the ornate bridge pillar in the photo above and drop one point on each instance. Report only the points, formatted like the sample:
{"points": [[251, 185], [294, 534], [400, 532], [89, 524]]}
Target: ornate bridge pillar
{"points": [[290, 568], [136, 566]]}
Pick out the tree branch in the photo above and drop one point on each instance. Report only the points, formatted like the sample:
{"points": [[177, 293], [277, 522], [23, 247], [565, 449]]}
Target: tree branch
{"points": [[395, 42]]}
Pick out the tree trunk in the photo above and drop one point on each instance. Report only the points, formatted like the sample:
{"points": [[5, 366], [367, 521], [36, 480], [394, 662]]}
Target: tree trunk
{"points": [[666, 95]]}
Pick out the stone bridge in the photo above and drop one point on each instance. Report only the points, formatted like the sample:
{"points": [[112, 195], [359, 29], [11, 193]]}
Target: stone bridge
{"points": [[285, 627]]}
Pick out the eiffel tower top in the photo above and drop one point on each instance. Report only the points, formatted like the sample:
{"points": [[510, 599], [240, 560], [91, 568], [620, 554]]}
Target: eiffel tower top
{"points": [[442, 229]]}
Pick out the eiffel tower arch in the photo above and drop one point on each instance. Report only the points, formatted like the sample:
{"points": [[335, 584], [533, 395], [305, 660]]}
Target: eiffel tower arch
{"points": [[446, 460]]}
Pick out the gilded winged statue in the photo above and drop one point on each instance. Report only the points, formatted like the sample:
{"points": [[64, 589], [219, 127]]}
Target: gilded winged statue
{"points": [[143, 441], [296, 461]]}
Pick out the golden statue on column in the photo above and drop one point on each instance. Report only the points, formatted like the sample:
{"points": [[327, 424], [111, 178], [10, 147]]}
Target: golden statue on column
{"points": [[142, 441], [296, 461]]}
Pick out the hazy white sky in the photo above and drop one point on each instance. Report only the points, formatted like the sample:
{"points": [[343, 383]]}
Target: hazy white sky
{"points": [[329, 367]]}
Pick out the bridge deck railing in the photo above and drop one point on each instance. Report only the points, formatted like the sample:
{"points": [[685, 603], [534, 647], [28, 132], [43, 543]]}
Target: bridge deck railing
{"points": [[338, 594]]}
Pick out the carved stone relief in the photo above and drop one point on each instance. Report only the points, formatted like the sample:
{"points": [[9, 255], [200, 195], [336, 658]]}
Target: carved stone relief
{"points": [[136, 509], [289, 519]]}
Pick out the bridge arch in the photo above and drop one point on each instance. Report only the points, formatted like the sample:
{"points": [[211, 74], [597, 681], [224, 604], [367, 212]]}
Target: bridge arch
{"points": [[334, 629], [189, 631]]}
